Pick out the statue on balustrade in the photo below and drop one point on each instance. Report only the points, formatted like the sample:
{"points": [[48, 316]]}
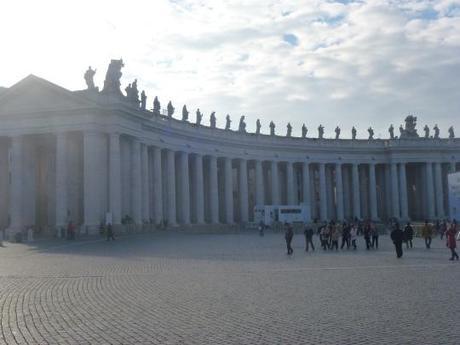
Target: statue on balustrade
{"points": [[436, 131], [128, 91], [272, 128], [320, 132], [289, 130], [409, 131], [451, 132], [89, 78], [242, 125], [392, 131], [227, 122], [371, 133], [337, 132], [184, 113], [199, 117], [156, 105], [401, 131], [212, 120], [258, 125], [353, 133], [112, 78], [427, 131], [134, 93], [304, 131], [143, 100], [170, 109]]}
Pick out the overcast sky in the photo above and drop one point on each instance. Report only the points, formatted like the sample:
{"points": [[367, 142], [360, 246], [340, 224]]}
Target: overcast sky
{"points": [[362, 63]]}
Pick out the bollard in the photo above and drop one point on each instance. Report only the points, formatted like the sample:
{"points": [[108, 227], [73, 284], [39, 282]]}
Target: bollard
{"points": [[30, 235]]}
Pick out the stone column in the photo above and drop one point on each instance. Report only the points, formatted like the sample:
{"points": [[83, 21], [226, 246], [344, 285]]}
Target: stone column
{"points": [[157, 186], [136, 193], [322, 191], [395, 190], [403, 191], [290, 183], [306, 188], [430, 196], [228, 191], [213, 190], [145, 183], [373, 192], [439, 191], [16, 184], [184, 188], [275, 183], [61, 179], [388, 203], [115, 178], [171, 173], [259, 184], [339, 190], [199, 188], [356, 193], [452, 167], [243, 187]]}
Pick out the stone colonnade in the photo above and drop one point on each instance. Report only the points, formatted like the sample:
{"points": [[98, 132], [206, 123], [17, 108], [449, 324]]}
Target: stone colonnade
{"points": [[91, 173]]}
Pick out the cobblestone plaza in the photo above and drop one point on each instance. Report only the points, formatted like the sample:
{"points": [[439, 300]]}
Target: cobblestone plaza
{"points": [[176, 288]]}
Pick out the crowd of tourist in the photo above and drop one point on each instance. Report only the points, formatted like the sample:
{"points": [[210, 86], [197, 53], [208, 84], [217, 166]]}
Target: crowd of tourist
{"points": [[346, 233]]}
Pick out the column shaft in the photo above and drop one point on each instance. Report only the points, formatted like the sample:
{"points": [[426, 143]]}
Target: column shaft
{"points": [[157, 186], [228, 190], [199, 188], [145, 183], [16, 183], [136, 192], [259, 184], [171, 173], [185, 188], [339, 190], [372, 192], [275, 183], [213, 190], [356, 193], [439, 190], [430, 196], [243, 181], [306, 188], [403, 191], [395, 190], [115, 178], [61, 179], [290, 183], [322, 192]]}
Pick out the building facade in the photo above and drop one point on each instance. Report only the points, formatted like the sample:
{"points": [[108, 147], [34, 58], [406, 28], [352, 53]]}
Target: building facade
{"points": [[78, 155]]}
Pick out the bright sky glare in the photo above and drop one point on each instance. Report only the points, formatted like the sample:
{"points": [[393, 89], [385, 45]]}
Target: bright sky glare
{"points": [[345, 63]]}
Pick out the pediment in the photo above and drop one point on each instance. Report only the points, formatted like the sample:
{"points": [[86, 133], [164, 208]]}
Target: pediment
{"points": [[34, 94]]}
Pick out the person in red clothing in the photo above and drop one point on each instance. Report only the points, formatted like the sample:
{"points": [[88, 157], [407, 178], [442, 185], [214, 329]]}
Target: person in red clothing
{"points": [[451, 241]]}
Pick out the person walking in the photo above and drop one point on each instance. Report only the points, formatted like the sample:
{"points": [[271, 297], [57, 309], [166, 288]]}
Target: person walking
{"points": [[288, 235], [71, 231], [309, 237], [261, 228], [452, 241], [443, 229], [324, 236], [427, 233], [345, 235], [353, 235], [408, 235], [367, 235], [397, 237], [110, 235], [334, 237], [375, 236]]}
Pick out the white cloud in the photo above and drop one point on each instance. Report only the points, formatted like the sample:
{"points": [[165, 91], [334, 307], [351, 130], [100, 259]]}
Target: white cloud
{"points": [[362, 63]]}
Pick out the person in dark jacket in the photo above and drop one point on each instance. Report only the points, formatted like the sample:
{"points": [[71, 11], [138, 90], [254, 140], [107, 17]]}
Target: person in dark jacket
{"points": [[308, 238], [367, 235], [345, 235], [408, 235], [451, 241], [110, 235], [288, 235], [397, 236]]}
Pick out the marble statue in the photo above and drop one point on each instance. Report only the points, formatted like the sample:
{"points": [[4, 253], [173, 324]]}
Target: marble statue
{"points": [[184, 113], [170, 109], [427, 131], [304, 131], [242, 125], [199, 117], [337, 132], [112, 78], [320, 132], [227, 122], [134, 93], [353, 133], [89, 78], [143, 100], [156, 105], [436, 131], [451, 132], [401, 131], [258, 125], [371, 133], [392, 131], [128, 91], [289, 130], [212, 120], [409, 130], [272, 128]]}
